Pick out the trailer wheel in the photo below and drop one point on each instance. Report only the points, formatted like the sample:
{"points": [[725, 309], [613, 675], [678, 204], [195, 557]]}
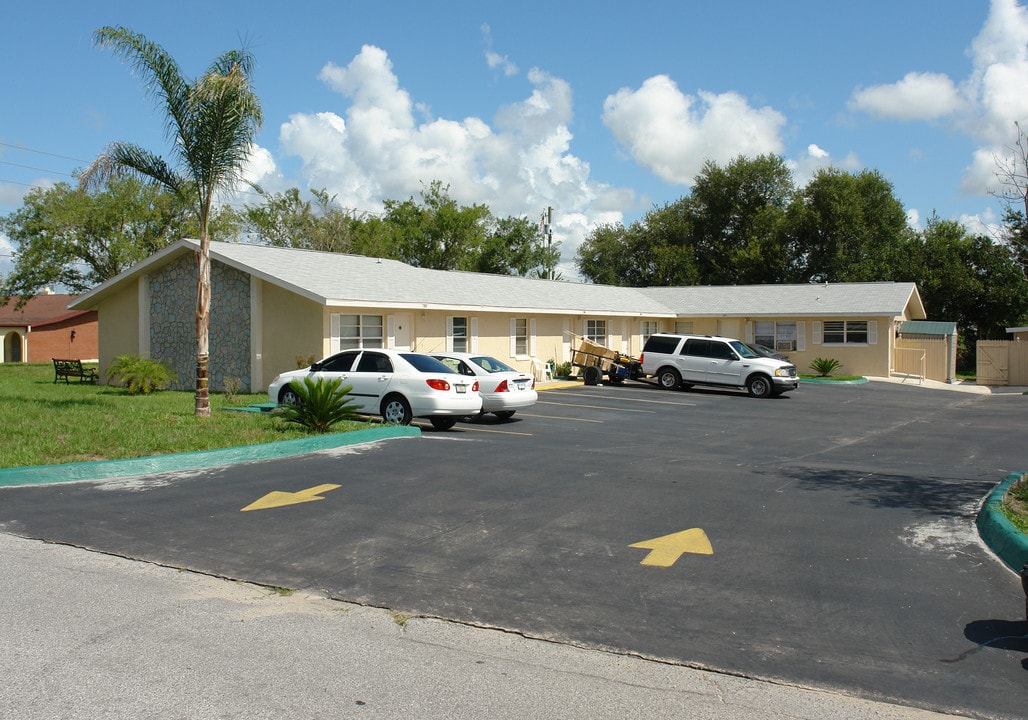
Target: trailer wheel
{"points": [[592, 375], [615, 379]]}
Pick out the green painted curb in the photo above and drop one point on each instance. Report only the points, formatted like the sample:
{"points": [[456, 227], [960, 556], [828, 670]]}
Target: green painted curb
{"points": [[826, 381], [76, 472], [1009, 543]]}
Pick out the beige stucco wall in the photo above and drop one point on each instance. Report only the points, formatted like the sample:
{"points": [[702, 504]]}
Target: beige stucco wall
{"points": [[118, 331], [290, 326]]}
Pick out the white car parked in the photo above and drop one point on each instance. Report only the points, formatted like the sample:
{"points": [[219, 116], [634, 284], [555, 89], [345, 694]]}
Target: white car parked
{"points": [[504, 390], [397, 385]]}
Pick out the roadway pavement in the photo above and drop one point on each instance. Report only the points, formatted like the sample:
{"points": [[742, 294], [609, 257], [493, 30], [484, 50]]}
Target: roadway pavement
{"points": [[87, 634]]}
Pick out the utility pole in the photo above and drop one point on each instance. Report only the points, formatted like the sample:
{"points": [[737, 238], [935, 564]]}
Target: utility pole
{"points": [[546, 230]]}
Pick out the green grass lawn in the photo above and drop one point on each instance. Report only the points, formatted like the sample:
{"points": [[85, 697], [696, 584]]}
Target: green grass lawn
{"points": [[45, 424]]}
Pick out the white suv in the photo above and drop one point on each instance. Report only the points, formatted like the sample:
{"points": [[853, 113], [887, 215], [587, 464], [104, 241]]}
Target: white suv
{"points": [[687, 360]]}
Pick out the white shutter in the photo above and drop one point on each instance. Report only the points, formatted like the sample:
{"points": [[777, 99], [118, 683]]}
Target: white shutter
{"points": [[749, 331], [513, 337], [449, 333], [334, 324], [474, 334], [872, 332], [815, 332], [801, 336], [531, 337]]}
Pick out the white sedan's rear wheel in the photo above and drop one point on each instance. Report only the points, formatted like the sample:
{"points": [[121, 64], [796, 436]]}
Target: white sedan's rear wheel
{"points": [[396, 410]]}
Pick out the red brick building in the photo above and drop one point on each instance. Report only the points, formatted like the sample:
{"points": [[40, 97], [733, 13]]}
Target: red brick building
{"points": [[45, 328]]}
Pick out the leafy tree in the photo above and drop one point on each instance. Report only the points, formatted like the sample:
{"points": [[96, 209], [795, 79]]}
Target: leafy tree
{"points": [[287, 220], [845, 228], [211, 123], [655, 250], [735, 212], [75, 238], [437, 233], [1015, 234], [725, 232], [969, 279], [512, 247]]}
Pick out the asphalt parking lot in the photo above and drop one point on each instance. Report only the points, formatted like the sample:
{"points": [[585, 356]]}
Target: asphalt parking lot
{"points": [[825, 538]]}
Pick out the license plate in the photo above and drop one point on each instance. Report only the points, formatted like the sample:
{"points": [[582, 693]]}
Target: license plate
{"points": [[462, 388], [519, 385]]}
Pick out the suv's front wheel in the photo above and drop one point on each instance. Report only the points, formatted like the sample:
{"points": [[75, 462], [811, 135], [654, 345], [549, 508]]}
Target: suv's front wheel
{"points": [[669, 379], [760, 386]]}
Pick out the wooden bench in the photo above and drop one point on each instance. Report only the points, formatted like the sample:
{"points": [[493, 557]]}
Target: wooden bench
{"points": [[73, 368]]}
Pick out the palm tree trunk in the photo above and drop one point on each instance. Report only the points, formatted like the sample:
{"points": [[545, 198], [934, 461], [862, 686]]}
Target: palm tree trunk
{"points": [[203, 321]]}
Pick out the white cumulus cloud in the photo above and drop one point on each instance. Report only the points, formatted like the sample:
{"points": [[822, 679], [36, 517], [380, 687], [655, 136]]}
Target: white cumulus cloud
{"points": [[672, 133], [375, 146], [918, 96], [984, 105]]}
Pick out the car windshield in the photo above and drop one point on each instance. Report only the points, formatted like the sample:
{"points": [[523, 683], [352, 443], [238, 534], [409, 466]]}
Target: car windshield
{"points": [[491, 364], [426, 364], [744, 350]]}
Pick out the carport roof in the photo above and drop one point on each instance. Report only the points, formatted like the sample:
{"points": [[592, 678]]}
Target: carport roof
{"points": [[339, 280]]}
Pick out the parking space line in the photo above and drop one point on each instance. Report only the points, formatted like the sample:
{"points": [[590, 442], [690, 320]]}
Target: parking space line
{"points": [[596, 407], [558, 417], [640, 400], [472, 428]]}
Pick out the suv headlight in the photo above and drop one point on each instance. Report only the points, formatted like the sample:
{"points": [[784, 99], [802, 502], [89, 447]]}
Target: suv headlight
{"points": [[785, 372]]}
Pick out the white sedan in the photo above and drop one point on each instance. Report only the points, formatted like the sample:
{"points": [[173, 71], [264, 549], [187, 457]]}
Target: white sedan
{"points": [[397, 385], [504, 390]]}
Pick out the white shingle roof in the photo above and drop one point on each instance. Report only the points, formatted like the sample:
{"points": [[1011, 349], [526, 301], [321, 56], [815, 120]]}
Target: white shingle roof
{"points": [[858, 299], [337, 279], [334, 279]]}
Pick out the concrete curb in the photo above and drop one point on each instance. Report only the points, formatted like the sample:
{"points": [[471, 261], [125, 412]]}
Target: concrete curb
{"points": [[77, 472], [1009, 543]]}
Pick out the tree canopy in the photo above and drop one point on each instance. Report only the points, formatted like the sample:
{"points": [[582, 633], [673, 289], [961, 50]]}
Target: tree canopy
{"points": [[746, 223], [78, 238], [434, 232]]}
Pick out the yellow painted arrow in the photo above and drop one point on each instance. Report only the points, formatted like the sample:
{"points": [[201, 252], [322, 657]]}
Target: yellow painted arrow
{"points": [[278, 499], [665, 551]]}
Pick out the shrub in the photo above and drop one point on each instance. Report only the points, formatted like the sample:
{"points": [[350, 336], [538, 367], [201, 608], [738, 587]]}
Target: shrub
{"points": [[562, 370], [140, 375], [825, 366], [322, 403]]}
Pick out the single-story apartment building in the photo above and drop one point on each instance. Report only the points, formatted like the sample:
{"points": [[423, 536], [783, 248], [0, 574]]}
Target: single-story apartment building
{"points": [[276, 309], [44, 328]]}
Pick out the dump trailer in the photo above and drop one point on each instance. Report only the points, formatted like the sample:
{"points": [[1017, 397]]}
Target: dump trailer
{"points": [[597, 362]]}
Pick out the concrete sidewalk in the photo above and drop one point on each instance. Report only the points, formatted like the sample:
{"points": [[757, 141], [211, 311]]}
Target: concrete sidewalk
{"points": [[86, 635]]}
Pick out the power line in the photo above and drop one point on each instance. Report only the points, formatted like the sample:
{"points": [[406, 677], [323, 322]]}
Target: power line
{"points": [[33, 167], [43, 152]]}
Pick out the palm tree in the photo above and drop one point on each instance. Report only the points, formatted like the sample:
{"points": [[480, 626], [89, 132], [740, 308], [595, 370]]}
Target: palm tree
{"points": [[211, 123]]}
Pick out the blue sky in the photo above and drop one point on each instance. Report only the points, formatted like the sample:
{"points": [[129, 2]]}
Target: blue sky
{"points": [[597, 109]]}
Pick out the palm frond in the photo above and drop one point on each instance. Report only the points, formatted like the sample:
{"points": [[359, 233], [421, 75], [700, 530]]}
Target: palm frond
{"points": [[125, 159], [158, 71]]}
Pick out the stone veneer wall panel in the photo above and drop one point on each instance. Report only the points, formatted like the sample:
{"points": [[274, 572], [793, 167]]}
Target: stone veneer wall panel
{"points": [[173, 323]]}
